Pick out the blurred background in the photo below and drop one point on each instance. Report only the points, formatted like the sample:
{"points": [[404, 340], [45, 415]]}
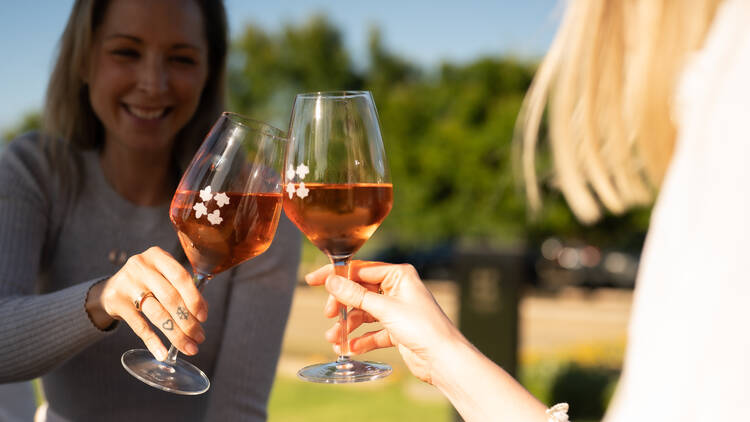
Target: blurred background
{"points": [[542, 295]]}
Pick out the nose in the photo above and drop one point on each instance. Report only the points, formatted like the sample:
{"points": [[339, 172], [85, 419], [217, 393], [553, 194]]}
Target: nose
{"points": [[152, 75]]}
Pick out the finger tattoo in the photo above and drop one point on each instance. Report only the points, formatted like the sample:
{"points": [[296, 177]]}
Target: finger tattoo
{"points": [[167, 325], [182, 313]]}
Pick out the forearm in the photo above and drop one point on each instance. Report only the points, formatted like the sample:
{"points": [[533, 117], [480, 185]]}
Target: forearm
{"points": [[479, 389], [38, 332]]}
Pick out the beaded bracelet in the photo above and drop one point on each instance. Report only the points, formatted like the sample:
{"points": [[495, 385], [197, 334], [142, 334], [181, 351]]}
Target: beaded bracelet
{"points": [[558, 413]]}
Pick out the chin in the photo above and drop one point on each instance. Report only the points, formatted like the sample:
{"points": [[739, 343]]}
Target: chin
{"points": [[149, 145]]}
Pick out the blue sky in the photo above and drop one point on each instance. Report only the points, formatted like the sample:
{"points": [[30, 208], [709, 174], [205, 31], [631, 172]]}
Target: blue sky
{"points": [[424, 31]]}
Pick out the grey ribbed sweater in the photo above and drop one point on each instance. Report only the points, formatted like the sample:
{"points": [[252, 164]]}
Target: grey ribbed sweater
{"points": [[53, 249]]}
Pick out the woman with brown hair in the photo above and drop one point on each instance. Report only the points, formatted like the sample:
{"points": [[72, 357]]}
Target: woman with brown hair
{"points": [[85, 226], [645, 98]]}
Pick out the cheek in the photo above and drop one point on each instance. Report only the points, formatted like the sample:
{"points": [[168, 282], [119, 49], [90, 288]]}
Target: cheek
{"points": [[189, 89], [105, 87]]}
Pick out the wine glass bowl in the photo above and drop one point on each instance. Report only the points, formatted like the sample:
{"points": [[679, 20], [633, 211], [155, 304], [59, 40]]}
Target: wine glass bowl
{"points": [[340, 218], [225, 210], [337, 192], [212, 249]]}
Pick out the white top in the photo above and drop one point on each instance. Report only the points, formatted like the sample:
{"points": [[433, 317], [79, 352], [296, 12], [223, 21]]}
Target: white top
{"points": [[688, 355]]}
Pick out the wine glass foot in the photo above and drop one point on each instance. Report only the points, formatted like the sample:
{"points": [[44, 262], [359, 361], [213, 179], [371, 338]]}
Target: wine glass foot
{"points": [[344, 371], [179, 378]]}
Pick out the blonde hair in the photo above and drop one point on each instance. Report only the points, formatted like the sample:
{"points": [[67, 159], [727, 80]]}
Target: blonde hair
{"points": [[608, 81], [67, 111]]}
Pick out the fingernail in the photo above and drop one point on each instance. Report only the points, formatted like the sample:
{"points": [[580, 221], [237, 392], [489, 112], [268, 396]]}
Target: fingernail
{"points": [[191, 348], [160, 354], [202, 316], [200, 337]]}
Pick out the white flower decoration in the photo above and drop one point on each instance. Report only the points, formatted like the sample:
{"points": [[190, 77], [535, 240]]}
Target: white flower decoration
{"points": [[290, 173], [200, 209], [302, 171], [302, 191], [215, 218], [290, 190], [221, 199], [206, 193]]}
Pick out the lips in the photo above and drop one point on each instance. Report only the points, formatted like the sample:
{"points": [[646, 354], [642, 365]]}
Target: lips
{"points": [[147, 113]]}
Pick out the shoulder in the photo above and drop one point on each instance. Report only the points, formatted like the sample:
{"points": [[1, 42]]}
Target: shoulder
{"points": [[30, 162], [23, 157], [24, 144], [31, 149]]}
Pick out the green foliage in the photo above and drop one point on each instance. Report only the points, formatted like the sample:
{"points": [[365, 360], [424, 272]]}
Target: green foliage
{"points": [[449, 142], [587, 388], [267, 70], [387, 71], [30, 121]]}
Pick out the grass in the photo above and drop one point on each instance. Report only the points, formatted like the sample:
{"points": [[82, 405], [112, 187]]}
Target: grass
{"points": [[400, 399]]}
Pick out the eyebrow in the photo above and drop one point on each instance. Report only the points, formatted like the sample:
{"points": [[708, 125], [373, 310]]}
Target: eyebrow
{"points": [[140, 41]]}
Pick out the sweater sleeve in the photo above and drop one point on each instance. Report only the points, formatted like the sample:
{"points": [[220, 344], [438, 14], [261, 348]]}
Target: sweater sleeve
{"points": [[258, 309], [37, 331]]}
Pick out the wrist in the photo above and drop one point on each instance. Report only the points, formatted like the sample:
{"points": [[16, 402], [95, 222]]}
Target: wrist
{"points": [[479, 389], [449, 353], [95, 309]]}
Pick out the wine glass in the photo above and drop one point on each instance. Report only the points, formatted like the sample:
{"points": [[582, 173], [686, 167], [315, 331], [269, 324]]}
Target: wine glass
{"points": [[337, 191], [225, 210]]}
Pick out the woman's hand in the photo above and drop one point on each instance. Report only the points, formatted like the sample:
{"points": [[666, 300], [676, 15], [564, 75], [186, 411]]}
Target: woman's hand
{"points": [[412, 319], [176, 307], [432, 347]]}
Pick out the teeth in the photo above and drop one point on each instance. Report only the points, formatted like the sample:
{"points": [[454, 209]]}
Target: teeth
{"points": [[146, 114]]}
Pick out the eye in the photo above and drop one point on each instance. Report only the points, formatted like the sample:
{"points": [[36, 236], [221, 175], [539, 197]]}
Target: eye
{"points": [[126, 52], [183, 59]]}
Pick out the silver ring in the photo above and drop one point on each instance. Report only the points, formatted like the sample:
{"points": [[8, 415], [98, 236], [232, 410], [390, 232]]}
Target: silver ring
{"points": [[138, 302]]}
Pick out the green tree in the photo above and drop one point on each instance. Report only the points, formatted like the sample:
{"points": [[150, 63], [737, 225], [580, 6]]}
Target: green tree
{"points": [[386, 71], [267, 70], [450, 138]]}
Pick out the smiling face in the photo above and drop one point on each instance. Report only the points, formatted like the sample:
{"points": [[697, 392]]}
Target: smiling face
{"points": [[146, 73]]}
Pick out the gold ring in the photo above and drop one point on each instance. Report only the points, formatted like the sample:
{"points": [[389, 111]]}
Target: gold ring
{"points": [[139, 300]]}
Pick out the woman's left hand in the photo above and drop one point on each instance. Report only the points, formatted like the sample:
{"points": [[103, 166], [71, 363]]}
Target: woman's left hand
{"points": [[166, 295]]}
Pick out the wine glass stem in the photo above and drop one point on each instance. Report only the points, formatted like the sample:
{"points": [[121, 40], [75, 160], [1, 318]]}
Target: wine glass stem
{"points": [[199, 280], [341, 268]]}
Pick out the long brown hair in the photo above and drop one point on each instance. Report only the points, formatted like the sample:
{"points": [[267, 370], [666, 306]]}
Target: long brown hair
{"points": [[609, 80], [67, 111]]}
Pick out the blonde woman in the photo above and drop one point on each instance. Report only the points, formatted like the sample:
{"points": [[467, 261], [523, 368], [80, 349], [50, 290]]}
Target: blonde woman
{"points": [[84, 227], [646, 99]]}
